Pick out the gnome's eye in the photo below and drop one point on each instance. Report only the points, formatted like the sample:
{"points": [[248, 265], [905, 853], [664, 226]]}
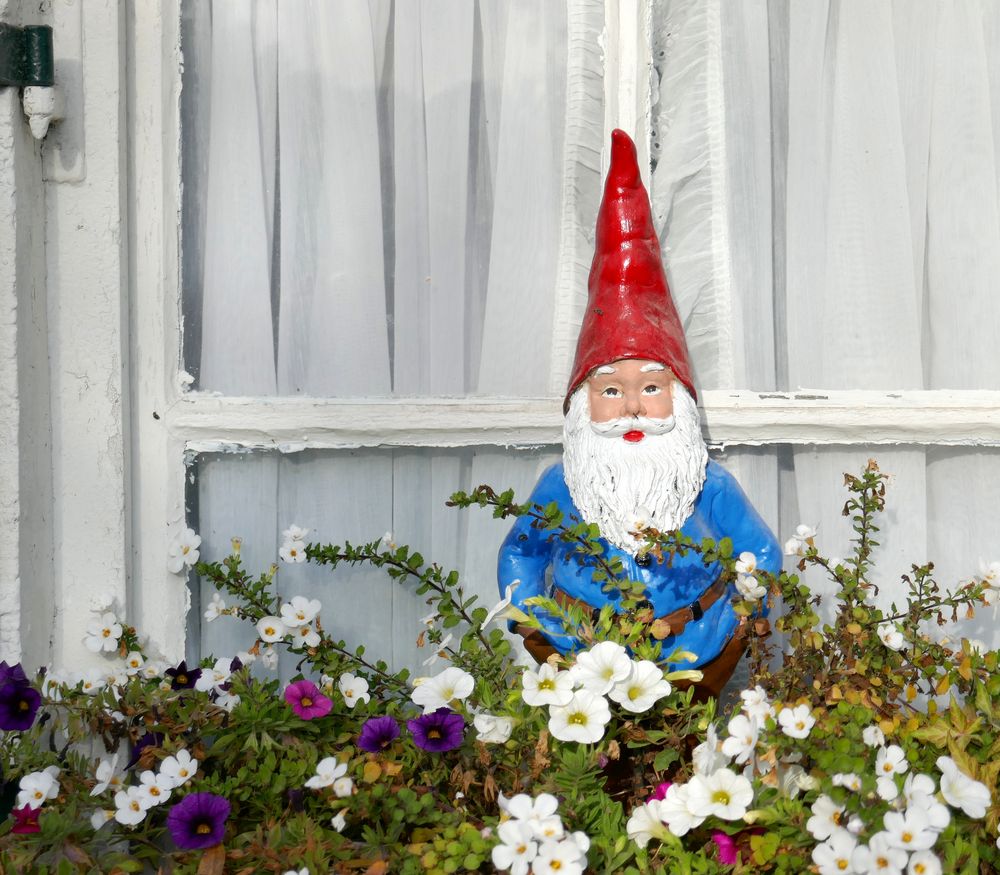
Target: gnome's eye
{"points": [[611, 392], [651, 389]]}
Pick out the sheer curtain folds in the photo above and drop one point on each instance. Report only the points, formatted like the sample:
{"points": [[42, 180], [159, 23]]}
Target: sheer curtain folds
{"points": [[880, 229], [378, 197]]}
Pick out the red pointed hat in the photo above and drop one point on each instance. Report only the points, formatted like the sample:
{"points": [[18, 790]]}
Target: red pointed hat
{"points": [[630, 314]]}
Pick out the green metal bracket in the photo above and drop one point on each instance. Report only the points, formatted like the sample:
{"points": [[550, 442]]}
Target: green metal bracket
{"points": [[26, 55]]}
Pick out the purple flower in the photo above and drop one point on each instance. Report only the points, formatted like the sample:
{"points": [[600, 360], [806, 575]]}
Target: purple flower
{"points": [[306, 700], [181, 678], [378, 733], [438, 731], [18, 705], [150, 739], [12, 674], [25, 820], [198, 821], [728, 852]]}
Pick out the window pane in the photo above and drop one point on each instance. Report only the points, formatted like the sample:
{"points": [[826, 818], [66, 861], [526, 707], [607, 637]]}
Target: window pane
{"points": [[823, 227], [354, 496], [381, 198]]}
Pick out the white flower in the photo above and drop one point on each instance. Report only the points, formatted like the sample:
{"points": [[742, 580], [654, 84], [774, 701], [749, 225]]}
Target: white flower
{"points": [[438, 691], [795, 545], [924, 863], [153, 788], [269, 657], [961, 791], [910, 831], [153, 669], [501, 605], [849, 780], [517, 847], [179, 768], [524, 807], [103, 634], [38, 787], [101, 816], [918, 792], [890, 761], [601, 667], [746, 564], [353, 689], [440, 650], [878, 857], [891, 637], [646, 823], [271, 629], [826, 818], [183, 550], [796, 722], [547, 686], [492, 728], [558, 858], [583, 719], [107, 776], [873, 736], [707, 757], [295, 533], [131, 807], [723, 794], [215, 677], [93, 682], [305, 636], [748, 587], [215, 608], [642, 689], [327, 771], [675, 809], [742, 739], [343, 787], [246, 657], [887, 788], [227, 700], [388, 541], [134, 663], [430, 619], [756, 704], [300, 611], [338, 821], [292, 551], [804, 532], [303, 871], [793, 779], [833, 857], [989, 573]]}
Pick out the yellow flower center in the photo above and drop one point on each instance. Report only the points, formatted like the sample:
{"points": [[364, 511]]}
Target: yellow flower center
{"points": [[22, 705], [842, 864], [578, 718], [555, 864], [547, 684], [882, 863], [106, 633], [203, 829], [721, 797], [907, 837], [182, 678], [634, 693], [269, 630], [348, 693], [800, 725], [434, 733], [919, 868], [307, 701], [135, 806], [887, 767], [522, 849], [154, 791]]}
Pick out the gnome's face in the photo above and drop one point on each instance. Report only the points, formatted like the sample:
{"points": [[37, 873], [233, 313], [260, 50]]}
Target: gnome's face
{"points": [[630, 388]]}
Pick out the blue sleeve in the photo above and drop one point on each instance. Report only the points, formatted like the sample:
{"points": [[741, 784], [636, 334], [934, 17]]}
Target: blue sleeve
{"points": [[736, 518], [526, 552]]}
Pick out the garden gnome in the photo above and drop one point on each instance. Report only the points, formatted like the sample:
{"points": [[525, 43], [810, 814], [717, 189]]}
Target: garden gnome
{"points": [[633, 455]]}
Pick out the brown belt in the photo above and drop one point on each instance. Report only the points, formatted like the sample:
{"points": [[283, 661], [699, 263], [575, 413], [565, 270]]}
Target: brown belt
{"points": [[662, 627]]}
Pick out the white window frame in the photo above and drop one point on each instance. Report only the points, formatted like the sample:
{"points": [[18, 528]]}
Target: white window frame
{"points": [[145, 425]]}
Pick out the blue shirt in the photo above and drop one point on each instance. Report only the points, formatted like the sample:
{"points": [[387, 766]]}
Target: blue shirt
{"points": [[721, 510]]}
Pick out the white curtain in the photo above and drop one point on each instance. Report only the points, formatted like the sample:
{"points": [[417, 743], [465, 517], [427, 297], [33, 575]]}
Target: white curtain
{"points": [[380, 207], [874, 209]]}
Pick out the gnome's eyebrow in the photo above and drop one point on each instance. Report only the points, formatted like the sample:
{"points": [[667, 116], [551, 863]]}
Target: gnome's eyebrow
{"points": [[652, 366], [604, 369]]}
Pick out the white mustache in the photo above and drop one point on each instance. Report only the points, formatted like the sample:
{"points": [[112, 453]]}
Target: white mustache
{"points": [[618, 427]]}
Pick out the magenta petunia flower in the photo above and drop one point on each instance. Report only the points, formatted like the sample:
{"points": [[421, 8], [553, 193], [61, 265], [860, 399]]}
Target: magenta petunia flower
{"points": [[378, 733], [438, 731], [660, 792], [18, 705], [198, 821], [728, 852], [306, 700], [25, 820]]}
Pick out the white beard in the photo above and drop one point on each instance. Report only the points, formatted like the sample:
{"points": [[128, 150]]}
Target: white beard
{"points": [[619, 485]]}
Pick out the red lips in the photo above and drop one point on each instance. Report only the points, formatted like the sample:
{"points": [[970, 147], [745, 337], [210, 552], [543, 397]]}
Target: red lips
{"points": [[633, 437]]}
